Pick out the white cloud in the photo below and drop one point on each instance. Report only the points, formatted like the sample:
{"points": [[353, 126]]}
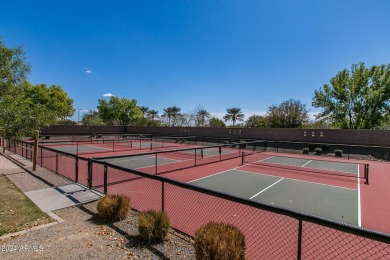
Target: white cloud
{"points": [[108, 95], [86, 70]]}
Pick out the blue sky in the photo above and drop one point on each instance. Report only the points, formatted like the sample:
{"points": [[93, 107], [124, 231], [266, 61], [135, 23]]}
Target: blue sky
{"points": [[213, 54]]}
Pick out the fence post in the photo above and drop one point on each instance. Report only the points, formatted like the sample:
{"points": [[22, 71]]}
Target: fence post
{"points": [[77, 170], [41, 155], [195, 156], [162, 196], [56, 163], [156, 162], [299, 240], [105, 178], [89, 173]]}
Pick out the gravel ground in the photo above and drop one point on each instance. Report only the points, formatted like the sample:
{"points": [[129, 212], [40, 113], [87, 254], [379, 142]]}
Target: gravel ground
{"points": [[84, 236]]}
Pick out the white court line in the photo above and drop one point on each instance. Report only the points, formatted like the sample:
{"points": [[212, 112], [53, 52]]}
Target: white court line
{"points": [[266, 158], [307, 163], [214, 174], [359, 208], [266, 188]]}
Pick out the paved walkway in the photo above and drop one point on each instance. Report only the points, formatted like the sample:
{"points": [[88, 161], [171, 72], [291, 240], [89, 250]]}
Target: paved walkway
{"points": [[46, 189]]}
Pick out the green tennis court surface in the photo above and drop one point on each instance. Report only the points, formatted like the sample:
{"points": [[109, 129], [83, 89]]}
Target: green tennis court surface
{"points": [[352, 168], [336, 203], [136, 162], [80, 148]]}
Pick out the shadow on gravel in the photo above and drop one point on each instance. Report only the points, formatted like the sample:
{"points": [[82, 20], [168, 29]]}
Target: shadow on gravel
{"points": [[133, 241]]}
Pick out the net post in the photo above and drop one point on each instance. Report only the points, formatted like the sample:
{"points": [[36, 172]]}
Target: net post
{"points": [[201, 153], [367, 170], [77, 148], [105, 178], [348, 151], [113, 145], [151, 146], [242, 158]]}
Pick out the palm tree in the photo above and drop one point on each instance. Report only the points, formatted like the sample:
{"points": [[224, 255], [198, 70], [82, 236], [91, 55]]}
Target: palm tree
{"points": [[167, 114], [234, 114], [152, 114], [144, 110], [175, 113], [201, 115]]}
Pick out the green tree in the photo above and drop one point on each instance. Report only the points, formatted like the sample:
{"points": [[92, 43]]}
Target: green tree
{"points": [[289, 114], [171, 114], [201, 116], [54, 98], [256, 121], [234, 114], [152, 114], [65, 122], [175, 114], [25, 108], [355, 99], [119, 111], [144, 110], [92, 118], [216, 122], [13, 68]]}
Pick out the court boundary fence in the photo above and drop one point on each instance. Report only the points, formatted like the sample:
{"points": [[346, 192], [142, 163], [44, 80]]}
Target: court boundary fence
{"points": [[270, 232]]}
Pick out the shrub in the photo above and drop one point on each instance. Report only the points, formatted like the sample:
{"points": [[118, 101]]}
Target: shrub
{"points": [[318, 151], [113, 207], [338, 153], [305, 151], [153, 226], [219, 241]]}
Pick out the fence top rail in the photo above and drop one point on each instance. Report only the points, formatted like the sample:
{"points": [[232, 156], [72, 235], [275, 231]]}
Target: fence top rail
{"points": [[325, 143], [176, 150], [300, 216]]}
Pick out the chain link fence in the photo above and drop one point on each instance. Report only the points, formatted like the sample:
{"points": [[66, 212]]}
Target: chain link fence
{"points": [[270, 232]]}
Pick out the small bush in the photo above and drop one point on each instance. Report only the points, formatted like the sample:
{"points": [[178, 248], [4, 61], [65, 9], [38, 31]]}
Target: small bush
{"points": [[318, 151], [219, 241], [153, 226], [113, 207], [305, 151], [338, 153]]}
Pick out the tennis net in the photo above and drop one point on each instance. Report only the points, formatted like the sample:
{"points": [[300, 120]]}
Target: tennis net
{"points": [[293, 164]]}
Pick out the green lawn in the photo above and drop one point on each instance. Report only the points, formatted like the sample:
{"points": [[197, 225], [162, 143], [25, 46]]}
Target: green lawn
{"points": [[17, 211]]}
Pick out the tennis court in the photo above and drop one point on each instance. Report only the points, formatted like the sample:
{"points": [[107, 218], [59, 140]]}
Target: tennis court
{"points": [[332, 202]]}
